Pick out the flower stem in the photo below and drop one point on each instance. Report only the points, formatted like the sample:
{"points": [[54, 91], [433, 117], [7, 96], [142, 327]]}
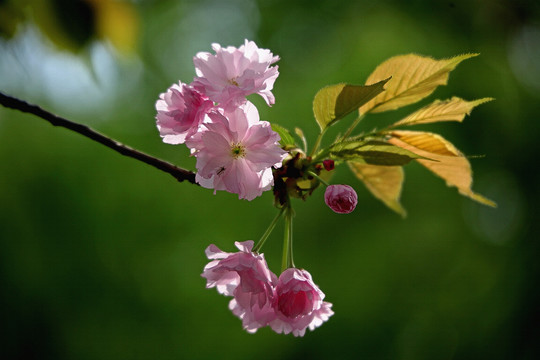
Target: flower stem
{"points": [[290, 224], [317, 143], [318, 178], [287, 259], [268, 231], [353, 125]]}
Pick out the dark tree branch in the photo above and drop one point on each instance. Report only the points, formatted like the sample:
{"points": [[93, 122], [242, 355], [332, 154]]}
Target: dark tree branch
{"points": [[179, 173]]}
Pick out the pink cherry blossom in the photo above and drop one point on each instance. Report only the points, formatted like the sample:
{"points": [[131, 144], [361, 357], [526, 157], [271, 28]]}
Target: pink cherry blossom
{"points": [[233, 73], [244, 275], [180, 111], [341, 198], [236, 152], [298, 303]]}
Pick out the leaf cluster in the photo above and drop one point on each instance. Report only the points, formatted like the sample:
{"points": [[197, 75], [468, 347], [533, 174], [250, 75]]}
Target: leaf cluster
{"points": [[377, 157]]}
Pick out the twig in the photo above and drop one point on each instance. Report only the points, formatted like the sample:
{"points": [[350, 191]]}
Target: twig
{"points": [[178, 173]]}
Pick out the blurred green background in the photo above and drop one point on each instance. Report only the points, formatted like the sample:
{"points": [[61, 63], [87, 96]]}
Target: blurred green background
{"points": [[100, 255]]}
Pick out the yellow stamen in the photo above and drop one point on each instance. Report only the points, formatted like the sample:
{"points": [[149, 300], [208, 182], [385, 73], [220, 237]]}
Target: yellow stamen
{"points": [[238, 150]]}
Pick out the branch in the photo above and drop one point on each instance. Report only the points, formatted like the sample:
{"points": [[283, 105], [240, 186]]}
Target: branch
{"points": [[178, 173]]}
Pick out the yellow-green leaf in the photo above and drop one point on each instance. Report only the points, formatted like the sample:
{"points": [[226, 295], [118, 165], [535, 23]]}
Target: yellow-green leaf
{"points": [[284, 134], [430, 142], [450, 164], [414, 77], [334, 102], [384, 182], [453, 109], [373, 152]]}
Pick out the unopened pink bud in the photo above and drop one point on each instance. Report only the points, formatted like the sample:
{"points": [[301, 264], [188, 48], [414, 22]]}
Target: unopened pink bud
{"points": [[328, 164], [341, 198]]}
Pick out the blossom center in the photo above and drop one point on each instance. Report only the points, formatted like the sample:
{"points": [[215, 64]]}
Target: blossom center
{"points": [[238, 150], [293, 304], [233, 82]]}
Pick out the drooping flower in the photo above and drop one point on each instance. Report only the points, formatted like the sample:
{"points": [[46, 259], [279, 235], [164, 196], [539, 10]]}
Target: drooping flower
{"points": [[341, 198], [180, 111], [234, 73], [298, 303], [244, 275], [236, 152]]}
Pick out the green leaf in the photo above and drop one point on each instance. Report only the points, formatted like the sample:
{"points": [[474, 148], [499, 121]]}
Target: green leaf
{"points": [[284, 134], [334, 102], [374, 152], [384, 182], [453, 109], [414, 77]]}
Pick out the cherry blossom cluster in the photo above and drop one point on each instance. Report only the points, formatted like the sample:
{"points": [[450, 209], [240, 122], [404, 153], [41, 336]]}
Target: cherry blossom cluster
{"points": [[235, 150], [239, 153], [288, 304]]}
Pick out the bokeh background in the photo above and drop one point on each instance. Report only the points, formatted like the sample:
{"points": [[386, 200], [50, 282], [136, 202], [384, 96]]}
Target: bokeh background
{"points": [[100, 255]]}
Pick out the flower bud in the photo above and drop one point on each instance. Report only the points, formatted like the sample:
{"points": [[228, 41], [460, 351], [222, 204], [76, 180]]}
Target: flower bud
{"points": [[341, 198], [328, 164]]}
